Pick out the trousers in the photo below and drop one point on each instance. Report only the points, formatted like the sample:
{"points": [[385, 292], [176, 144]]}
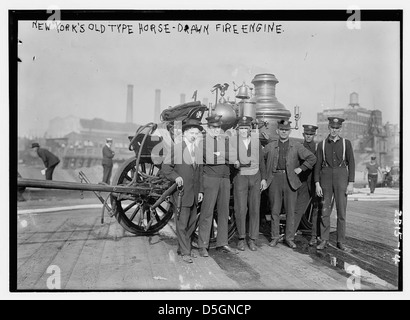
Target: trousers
{"points": [[246, 190], [216, 192], [185, 226], [107, 170], [280, 192], [334, 184]]}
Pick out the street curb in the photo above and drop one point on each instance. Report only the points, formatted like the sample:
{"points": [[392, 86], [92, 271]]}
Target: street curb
{"points": [[54, 209]]}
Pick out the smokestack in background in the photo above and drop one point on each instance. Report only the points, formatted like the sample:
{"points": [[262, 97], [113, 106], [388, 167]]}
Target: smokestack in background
{"points": [[182, 98], [130, 107], [157, 110]]}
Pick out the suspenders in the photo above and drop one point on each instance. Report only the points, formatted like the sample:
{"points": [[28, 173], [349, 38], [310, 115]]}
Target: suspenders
{"points": [[324, 164]]}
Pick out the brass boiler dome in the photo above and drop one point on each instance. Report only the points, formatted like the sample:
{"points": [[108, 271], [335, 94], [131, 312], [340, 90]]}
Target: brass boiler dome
{"points": [[228, 114], [268, 108]]}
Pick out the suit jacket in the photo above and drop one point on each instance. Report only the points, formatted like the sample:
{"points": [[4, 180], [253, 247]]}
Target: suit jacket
{"points": [[296, 153], [49, 159], [177, 164], [306, 176], [108, 154]]}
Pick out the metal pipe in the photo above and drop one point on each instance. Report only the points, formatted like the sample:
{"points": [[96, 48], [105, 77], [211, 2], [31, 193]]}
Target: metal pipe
{"points": [[50, 184], [161, 199]]}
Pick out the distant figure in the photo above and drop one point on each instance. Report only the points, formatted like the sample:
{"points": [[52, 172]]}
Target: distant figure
{"points": [[107, 163], [50, 160], [372, 170]]}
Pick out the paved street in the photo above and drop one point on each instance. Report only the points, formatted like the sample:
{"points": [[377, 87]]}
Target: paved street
{"points": [[66, 234]]}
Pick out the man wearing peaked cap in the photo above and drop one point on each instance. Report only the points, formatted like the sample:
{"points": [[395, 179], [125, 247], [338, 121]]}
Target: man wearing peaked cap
{"points": [[248, 182], [50, 160], [334, 176], [286, 159], [306, 192]]}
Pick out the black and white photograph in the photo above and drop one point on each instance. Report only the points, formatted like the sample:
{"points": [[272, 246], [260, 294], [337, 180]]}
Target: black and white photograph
{"points": [[206, 152]]}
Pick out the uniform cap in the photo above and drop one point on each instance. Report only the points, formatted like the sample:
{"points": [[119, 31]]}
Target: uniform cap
{"points": [[284, 124], [309, 129], [245, 121], [214, 121], [335, 122]]}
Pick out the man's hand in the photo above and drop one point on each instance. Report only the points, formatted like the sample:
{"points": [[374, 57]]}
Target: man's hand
{"points": [[43, 172], [179, 181], [349, 189], [200, 197], [237, 164], [298, 170], [319, 191], [264, 185]]}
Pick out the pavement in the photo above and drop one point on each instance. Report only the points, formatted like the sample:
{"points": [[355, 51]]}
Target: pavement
{"points": [[37, 201]]}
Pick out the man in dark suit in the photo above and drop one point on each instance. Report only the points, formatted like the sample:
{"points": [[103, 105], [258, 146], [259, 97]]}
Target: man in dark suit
{"points": [[107, 163], [183, 165], [334, 176], [283, 167], [50, 160]]}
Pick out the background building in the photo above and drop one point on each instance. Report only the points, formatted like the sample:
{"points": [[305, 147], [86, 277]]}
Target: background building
{"points": [[365, 129]]}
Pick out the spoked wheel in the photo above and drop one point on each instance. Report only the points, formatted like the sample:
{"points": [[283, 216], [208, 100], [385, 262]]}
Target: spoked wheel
{"points": [[133, 211], [214, 227]]}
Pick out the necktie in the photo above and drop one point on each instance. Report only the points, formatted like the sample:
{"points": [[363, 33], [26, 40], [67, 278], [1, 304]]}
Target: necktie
{"points": [[193, 155]]}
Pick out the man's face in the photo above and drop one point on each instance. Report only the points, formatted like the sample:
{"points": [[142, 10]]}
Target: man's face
{"points": [[283, 133], [214, 131], [308, 137], [334, 131], [244, 131], [191, 134]]}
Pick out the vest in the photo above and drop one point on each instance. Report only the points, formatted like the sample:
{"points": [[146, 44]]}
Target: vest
{"points": [[249, 158]]}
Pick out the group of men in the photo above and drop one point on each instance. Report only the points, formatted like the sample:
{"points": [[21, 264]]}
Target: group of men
{"points": [[294, 173]]}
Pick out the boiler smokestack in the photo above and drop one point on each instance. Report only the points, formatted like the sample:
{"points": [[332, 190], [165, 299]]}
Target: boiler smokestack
{"points": [[182, 98], [157, 110], [130, 107]]}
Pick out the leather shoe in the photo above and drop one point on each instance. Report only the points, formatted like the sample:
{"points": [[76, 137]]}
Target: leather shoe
{"points": [[252, 246], [241, 245], [291, 244], [322, 245], [313, 242], [186, 258], [203, 252], [341, 246], [227, 249], [273, 242]]}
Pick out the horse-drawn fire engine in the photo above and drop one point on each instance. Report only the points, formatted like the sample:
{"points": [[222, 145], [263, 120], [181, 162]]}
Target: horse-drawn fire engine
{"points": [[140, 196]]}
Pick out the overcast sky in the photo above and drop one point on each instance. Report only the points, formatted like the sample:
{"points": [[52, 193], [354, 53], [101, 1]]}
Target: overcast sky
{"points": [[318, 65]]}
